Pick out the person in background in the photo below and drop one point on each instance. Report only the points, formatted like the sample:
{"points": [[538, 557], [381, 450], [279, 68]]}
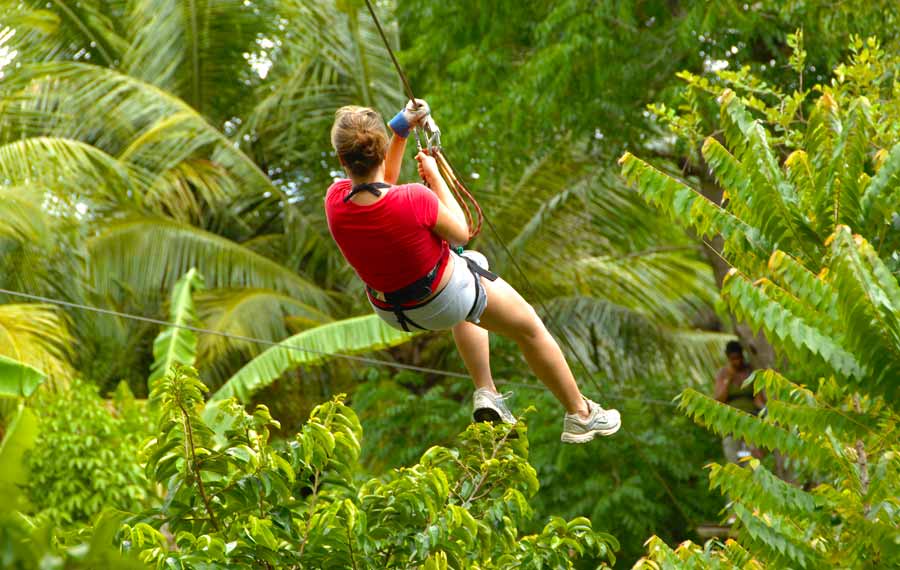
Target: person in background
{"points": [[730, 389]]}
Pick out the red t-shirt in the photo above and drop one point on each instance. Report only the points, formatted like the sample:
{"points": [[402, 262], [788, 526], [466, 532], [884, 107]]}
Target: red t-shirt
{"points": [[389, 243]]}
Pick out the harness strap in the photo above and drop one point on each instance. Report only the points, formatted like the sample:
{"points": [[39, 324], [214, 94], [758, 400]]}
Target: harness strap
{"points": [[370, 187], [403, 319], [415, 291], [395, 300], [479, 270]]}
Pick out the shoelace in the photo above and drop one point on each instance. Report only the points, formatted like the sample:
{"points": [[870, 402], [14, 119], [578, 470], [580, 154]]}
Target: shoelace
{"points": [[504, 396]]}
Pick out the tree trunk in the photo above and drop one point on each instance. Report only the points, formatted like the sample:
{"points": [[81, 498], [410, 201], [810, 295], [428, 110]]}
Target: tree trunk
{"points": [[759, 351]]}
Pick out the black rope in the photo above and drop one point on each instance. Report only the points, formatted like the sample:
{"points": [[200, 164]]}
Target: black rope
{"points": [[387, 44]]}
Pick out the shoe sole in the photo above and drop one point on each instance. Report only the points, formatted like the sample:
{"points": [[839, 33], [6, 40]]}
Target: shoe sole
{"points": [[487, 415], [586, 437]]}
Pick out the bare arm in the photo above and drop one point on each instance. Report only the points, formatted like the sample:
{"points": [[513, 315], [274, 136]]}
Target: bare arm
{"points": [[760, 400], [449, 227], [721, 389], [431, 175], [394, 159]]}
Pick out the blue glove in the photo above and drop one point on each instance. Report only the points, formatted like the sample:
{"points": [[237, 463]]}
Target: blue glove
{"points": [[410, 117]]}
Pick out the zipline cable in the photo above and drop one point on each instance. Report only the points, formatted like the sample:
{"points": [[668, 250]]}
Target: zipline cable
{"points": [[260, 341], [363, 359], [387, 44], [460, 188], [463, 195]]}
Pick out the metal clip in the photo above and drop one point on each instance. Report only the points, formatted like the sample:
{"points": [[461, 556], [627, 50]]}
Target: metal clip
{"points": [[432, 134]]}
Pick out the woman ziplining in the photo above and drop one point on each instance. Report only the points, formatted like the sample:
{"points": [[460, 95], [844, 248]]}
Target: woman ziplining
{"points": [[398, 239]]}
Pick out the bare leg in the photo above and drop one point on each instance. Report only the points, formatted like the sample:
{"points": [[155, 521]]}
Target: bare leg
{"points": [[474, 347], [508, 314]]}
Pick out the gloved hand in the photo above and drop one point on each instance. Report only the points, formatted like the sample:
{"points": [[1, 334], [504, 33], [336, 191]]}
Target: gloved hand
{"points": [[412, 115]]}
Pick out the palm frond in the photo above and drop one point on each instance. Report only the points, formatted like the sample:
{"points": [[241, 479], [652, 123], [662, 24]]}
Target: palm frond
{"points": [[37, 335], [624, 345], [349, 336], [124, 117], [22, 216], [314, 73], [256, 313], [146, 256], [58, 30], [566, 190], [176, 345], [70, 168], [197, 49], [668, 286]]}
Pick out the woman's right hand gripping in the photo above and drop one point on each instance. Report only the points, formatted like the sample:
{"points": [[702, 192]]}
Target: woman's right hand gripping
{"points": [[428, 168]]}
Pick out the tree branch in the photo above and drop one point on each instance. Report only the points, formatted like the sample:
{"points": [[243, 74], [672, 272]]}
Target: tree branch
{"points": [[862, 460], [189, 443]]}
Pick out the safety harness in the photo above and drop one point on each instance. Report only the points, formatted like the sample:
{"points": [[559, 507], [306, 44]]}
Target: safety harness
{"points": [[416, 294]]}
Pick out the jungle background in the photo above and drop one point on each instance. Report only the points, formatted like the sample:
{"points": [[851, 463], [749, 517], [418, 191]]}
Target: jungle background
{"points": [[168, 159]]}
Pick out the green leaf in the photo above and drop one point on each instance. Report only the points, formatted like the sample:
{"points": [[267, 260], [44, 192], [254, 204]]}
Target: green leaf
{"points": [[20, 437], [881, 196], [247, 312], [870, 305], [18, 380], [349, 336], [686, 206], [760, 305], [177, 345], [37, 335]]}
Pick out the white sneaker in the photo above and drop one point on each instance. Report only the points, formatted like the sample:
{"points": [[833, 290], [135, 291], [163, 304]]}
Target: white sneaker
{"points": [[489, 406], [600, 422]]}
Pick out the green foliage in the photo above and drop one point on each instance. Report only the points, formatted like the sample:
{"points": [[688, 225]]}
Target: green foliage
{"points": [[20, 436], [18, 380], [27, 545], [810, 267], [713, 555], [647, 481], [235, 500], [512, 78], [178, 345], [358, 334], [82, 461], [141, 139], [37, 335], [182, 145]]}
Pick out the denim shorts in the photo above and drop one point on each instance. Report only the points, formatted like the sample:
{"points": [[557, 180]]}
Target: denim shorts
{"points": [[462, 299]]}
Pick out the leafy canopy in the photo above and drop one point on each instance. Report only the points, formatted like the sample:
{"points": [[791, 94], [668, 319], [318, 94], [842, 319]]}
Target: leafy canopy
{"points": [[236, 500]]}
